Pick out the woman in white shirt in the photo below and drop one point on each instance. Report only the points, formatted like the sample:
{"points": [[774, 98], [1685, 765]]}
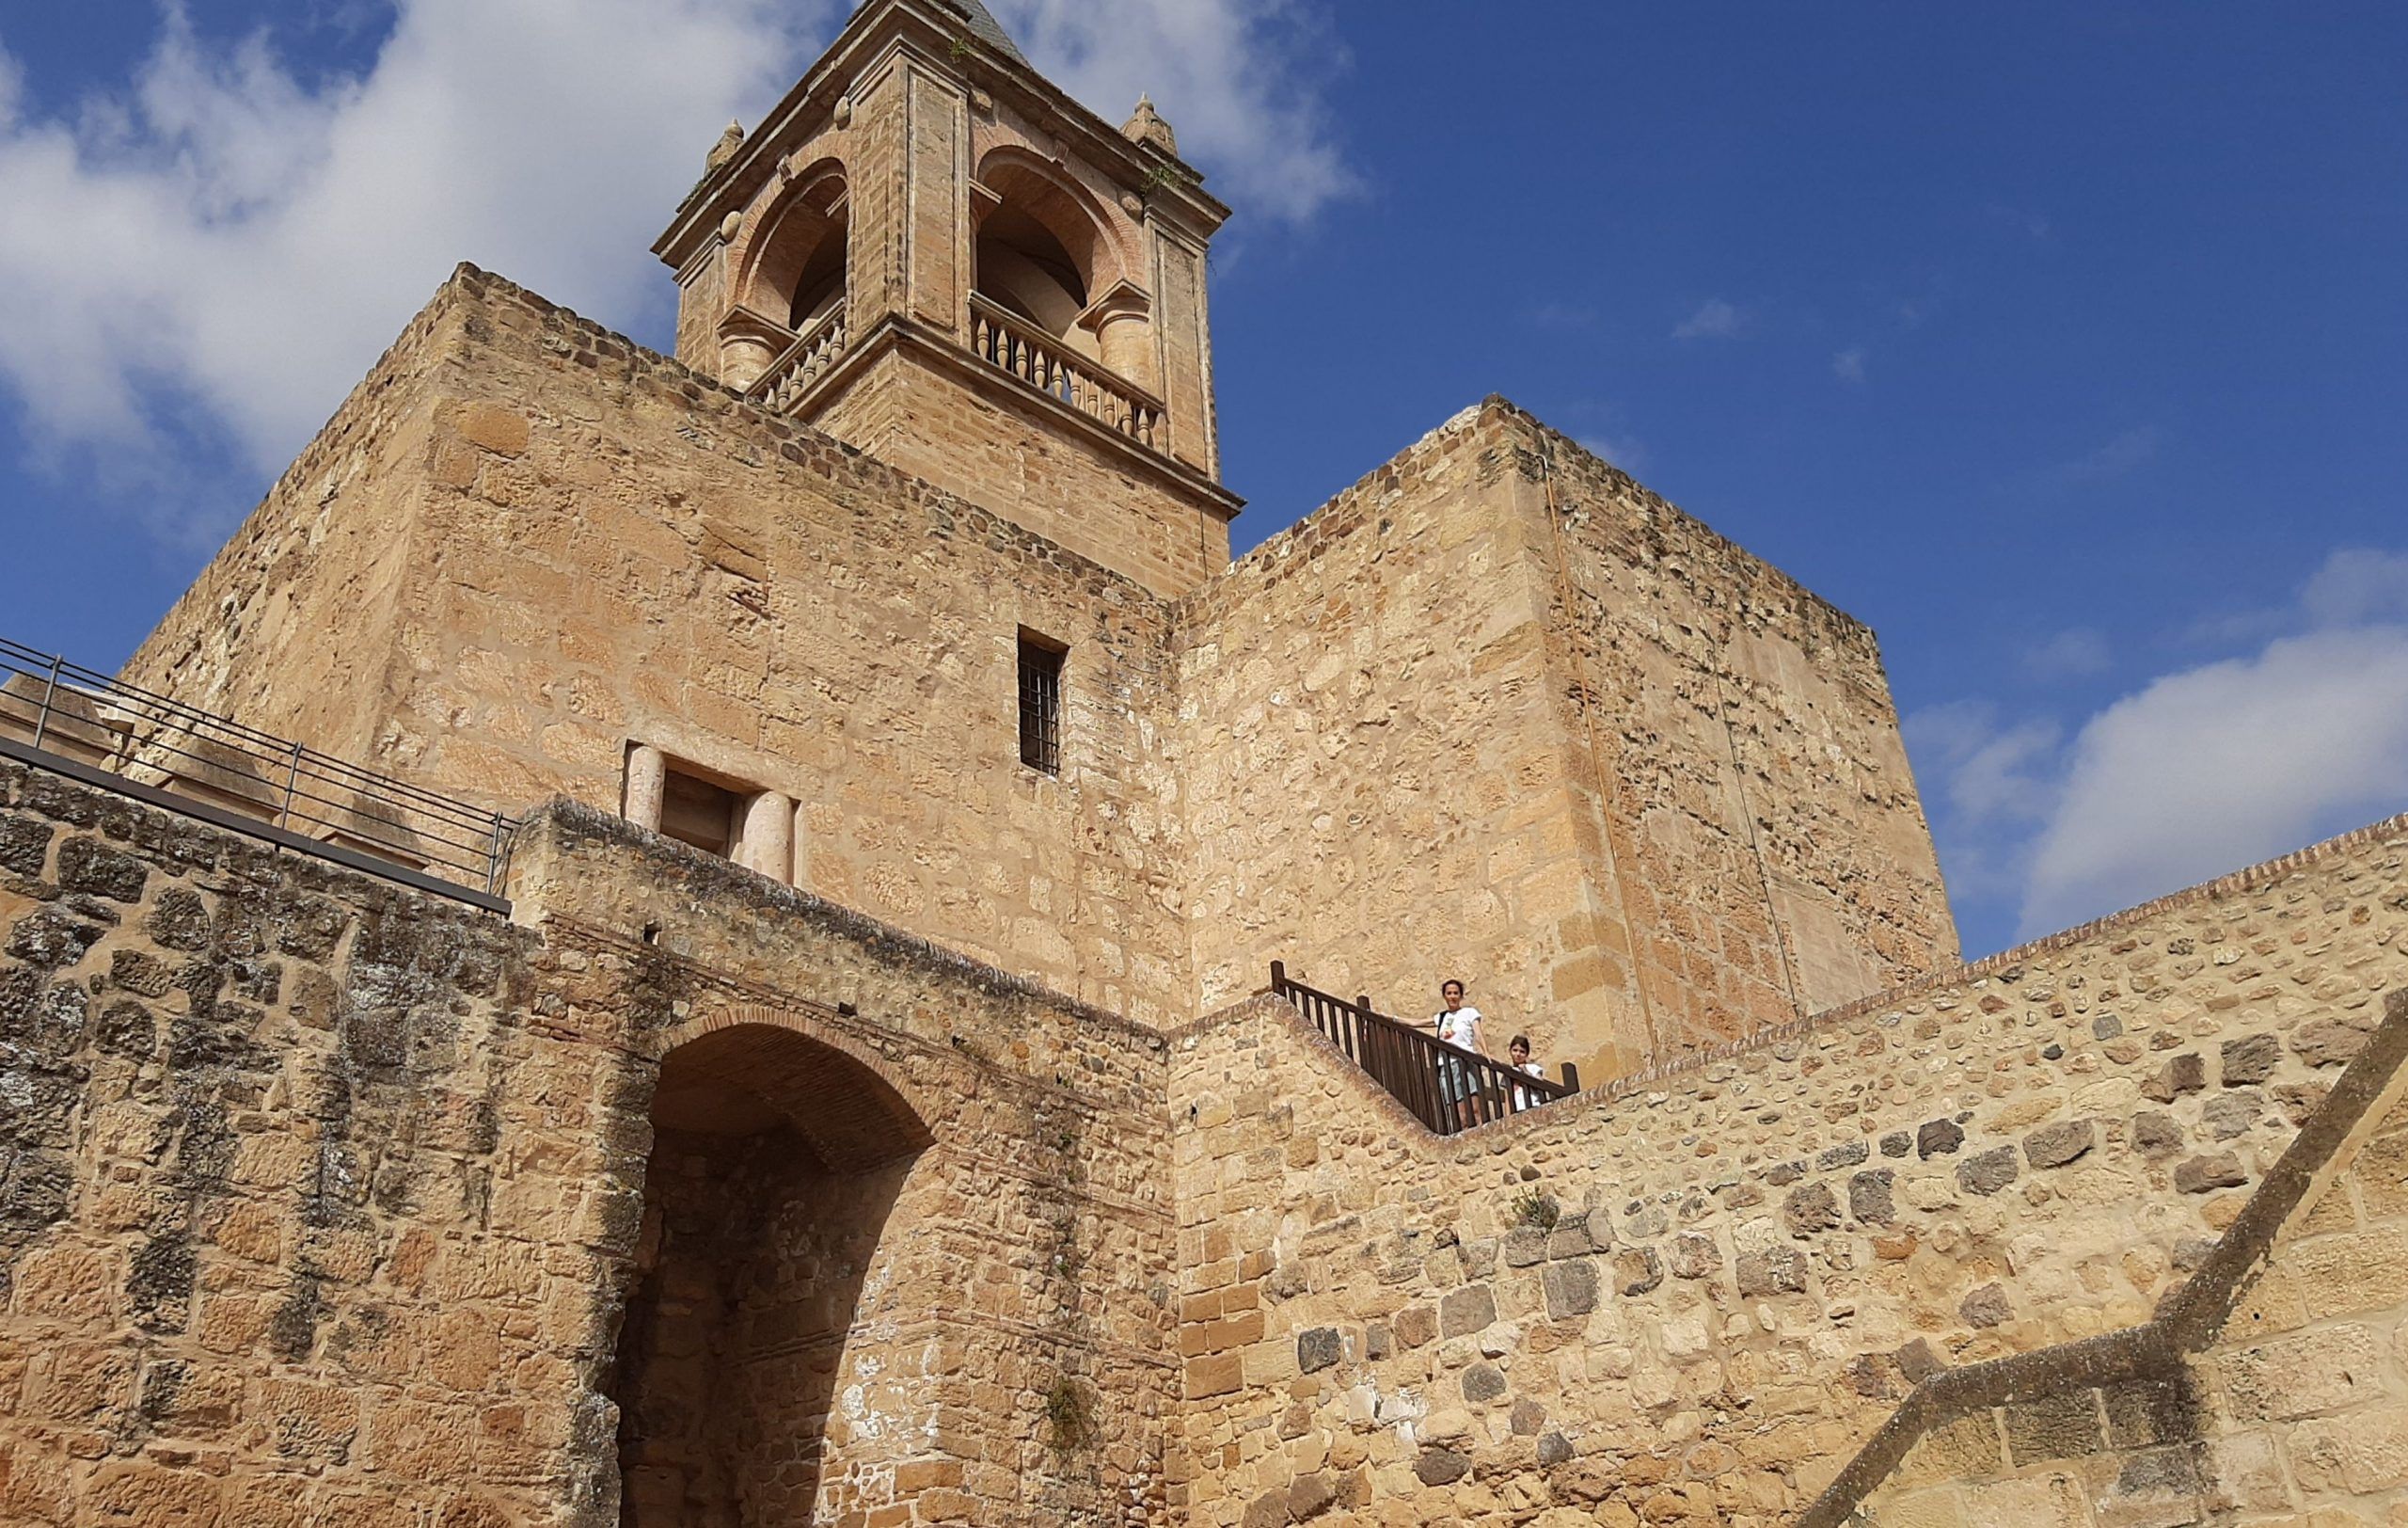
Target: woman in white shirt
{"points": [[1458, 1025]]}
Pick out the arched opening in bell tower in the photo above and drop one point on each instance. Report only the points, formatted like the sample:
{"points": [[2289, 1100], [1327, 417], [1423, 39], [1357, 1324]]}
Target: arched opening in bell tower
{"points": [[790, 293], [776, 1163], [1041, 255]]}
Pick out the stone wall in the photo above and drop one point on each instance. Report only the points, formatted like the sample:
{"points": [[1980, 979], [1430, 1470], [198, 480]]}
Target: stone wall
{"points": [[262, 1119], [1498, 711], [1376, 761], [322, 1201], [2271, 1391], [589, 548], [1768, 843], [292, 625], [1692, 1297], [933, 413]]}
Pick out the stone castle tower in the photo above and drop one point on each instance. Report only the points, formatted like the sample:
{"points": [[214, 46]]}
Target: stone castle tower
{"points": [[847, 1092], [1496, 711]]}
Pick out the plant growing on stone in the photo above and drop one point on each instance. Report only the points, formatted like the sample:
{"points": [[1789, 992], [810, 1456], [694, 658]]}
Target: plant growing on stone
{"points": [[1537, 1208], [1069, 1415]]}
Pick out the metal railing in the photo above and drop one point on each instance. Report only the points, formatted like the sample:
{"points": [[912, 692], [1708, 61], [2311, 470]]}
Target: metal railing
{"points": [[1045, 363], [92, 719], [790, 377], [1446, 1089]]}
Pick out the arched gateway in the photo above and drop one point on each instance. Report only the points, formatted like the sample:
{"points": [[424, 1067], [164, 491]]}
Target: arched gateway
{"points": [[777, 1162]]}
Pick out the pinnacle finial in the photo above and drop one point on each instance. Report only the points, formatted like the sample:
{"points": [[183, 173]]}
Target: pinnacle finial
{"points": [[725, 149], [1147, 126]]}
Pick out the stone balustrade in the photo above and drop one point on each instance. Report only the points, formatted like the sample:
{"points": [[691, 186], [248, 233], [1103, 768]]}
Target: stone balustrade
{"points": [[1045, 363], [810, 357]]}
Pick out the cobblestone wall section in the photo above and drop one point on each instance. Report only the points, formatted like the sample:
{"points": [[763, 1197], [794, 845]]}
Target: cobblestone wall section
{"points": [[2293, 1412], [1752, 1257], [248, 1099]]}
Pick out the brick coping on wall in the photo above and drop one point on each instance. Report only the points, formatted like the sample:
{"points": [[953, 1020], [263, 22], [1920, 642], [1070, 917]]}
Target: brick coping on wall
{"points": [[2252, 878], [2188, 1320]]}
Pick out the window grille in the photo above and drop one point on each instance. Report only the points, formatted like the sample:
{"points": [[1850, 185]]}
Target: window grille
{"points": [[1040, 703]]}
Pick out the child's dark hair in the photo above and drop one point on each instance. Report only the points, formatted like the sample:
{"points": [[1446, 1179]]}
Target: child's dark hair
{"points": [[1522, 1041]]}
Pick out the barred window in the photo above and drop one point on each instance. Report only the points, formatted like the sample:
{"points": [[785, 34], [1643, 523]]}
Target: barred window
{"points": [[1040, 702]]}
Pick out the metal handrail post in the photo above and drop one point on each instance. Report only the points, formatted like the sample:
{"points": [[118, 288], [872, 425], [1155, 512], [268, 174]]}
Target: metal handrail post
{"points": [[49, 694], [291, 783], [493, 858]]}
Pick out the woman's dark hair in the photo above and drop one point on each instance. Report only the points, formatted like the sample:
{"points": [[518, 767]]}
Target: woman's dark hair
{"points": [[1523, 1041], [1451, 981]]}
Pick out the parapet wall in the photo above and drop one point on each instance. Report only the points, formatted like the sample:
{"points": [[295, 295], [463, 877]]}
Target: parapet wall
{"points": [[1754, 1257]]}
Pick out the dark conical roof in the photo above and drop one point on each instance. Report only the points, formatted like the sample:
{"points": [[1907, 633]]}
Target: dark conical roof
{"points": [[983, 26]]}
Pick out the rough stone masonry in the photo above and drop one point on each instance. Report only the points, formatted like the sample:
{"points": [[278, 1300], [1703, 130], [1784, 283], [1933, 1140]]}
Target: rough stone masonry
{"points": [[867, 1111]]}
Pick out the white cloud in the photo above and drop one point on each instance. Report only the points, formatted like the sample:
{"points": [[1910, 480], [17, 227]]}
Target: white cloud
{"points": [[213, 254], [2358, 584], [2208, 771], [1848, 365], [2132, 449], [1624, 451], [2075, 653], [1715, 319], [2197, 772], [1240, 81]]}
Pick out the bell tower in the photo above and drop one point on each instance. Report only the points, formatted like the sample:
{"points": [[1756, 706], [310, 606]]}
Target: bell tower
{"points": [[935, 255]]}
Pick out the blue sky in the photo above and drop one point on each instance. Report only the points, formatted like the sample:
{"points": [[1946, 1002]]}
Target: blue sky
{"points": [[2065, 344]]}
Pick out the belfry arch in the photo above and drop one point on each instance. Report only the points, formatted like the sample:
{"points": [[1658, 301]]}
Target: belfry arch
{"points": [[777, 1162], [1045, 254], [795, 274]]}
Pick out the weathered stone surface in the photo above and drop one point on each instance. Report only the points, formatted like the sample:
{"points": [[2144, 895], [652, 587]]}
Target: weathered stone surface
{"points": [[1773, 1270], [2328, 1041], [1319, 1348], [1869, 1196], [1986, 1306], [1571, 1288], [2202, 1173], [2156, 1135], [1482, 1382], [2250, 1060], [1440, 1466], [1810, 1210], [2056, 1145], [1694, 1256], [1465, 1310], [1987, 1172], [2185, 1073], [87, 864], [1935, 1137], [1638, 1270]]}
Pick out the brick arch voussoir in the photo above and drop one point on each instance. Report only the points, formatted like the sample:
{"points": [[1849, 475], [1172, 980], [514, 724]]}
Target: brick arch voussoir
{"points": [[912, 1092]]}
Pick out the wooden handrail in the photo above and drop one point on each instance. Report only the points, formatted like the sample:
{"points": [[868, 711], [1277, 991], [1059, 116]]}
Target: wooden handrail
{"points": [[1005, 340], [1447, 1089]]}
